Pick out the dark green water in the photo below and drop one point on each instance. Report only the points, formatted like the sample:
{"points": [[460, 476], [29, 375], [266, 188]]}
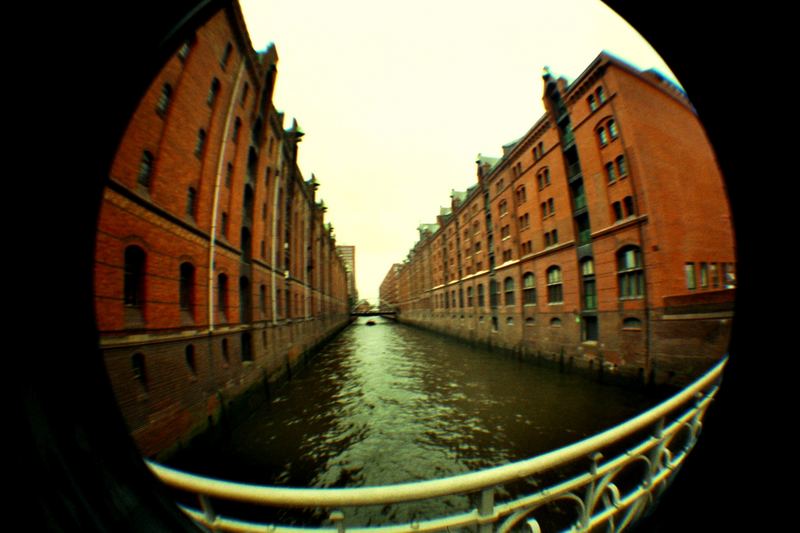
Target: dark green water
{"points": [[389, 403]]}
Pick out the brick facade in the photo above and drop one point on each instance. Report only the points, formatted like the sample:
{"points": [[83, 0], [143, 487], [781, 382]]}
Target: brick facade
{"points": [[580, 241], [214, 269]]}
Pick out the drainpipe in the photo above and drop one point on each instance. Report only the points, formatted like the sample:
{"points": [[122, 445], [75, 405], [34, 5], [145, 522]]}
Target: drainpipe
{"points": [[215, 205], [275, 194]]}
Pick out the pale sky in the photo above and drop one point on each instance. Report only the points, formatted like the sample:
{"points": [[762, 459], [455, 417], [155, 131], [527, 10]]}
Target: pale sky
{"points": [[398, 98]]}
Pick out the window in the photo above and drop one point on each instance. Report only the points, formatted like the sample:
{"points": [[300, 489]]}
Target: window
{"points": [[139, 370], [730, 276], [226, 56], [622, 168], [527, 247], [183, 52], [688, 269], [224, 228], [551, 210], [630, 274], [245, 91], [499, 185], [164, 99], [191, 202], [237, 127], [503, 207], [524, 221], [704, 275], [601, 96], [555, 322], [213, 92], [200, 143], [628, 203], [631, 324], [592, 102], [521, 196], [612, 129], [222, 295], [505, 231], [186, 290], [543, 178], [589, 287], [529, 289], [610, 173], [469, 297], [494, 293], [714, 275], [145, 169], [190, 362], [554, 286], [481, 298], [617, 211], [134, 277], [508, 289], [601, 133], [225, 353]]}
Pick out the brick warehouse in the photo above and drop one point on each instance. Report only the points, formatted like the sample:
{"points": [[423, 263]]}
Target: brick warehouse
{"points": [[215, 272], [602, 238]]}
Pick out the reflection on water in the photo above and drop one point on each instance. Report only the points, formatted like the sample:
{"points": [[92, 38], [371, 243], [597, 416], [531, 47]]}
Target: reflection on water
{"points": [[389, 403]]}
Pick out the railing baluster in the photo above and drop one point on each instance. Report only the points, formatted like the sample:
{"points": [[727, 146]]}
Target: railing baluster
{"points": [[208, 510], [337, 517], [486, 509]]}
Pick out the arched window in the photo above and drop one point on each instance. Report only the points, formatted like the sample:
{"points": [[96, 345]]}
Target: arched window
{"points": [[222, 296], [630, 273], [186, 292], [529, 288], [191, 202], [225, 353], [190, 362], [622, 168], [226, 56], [555, 294], [601, 95], [164, 99], [245, 307], [508, 290], [145, 169], [494, 293], [213, 91], [592, 102], [555, 322], [139, 370], [612, 129], [588, 281], [610, 172], [134, 277], [522, 197], [631, 323], [602, 135], [247, 346], [237, 127], [200, 143]]}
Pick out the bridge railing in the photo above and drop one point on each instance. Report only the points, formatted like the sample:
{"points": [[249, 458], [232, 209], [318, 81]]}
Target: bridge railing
{"points": [[656, 444]]}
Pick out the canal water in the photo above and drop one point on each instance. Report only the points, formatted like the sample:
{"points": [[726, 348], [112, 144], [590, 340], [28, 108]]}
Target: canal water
{"points": [[390, 403]]}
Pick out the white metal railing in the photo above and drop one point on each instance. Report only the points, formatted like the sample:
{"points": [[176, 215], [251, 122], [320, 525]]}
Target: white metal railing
{"points": [[672, 429]]}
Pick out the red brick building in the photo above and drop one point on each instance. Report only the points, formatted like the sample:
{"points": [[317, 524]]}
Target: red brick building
{"points": [[602, 237], [215, 271]]}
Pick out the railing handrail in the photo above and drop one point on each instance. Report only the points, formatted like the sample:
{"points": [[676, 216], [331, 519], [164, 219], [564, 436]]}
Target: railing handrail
{"points": [[420, 490]]}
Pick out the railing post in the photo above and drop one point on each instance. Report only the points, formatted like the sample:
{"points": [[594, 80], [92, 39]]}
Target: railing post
{"points": [[486, 509], [589, 499], [208, 510], [337, 517]]}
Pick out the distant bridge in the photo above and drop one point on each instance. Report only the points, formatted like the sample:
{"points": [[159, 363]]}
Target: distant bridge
{"points": [[392, 314]]}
